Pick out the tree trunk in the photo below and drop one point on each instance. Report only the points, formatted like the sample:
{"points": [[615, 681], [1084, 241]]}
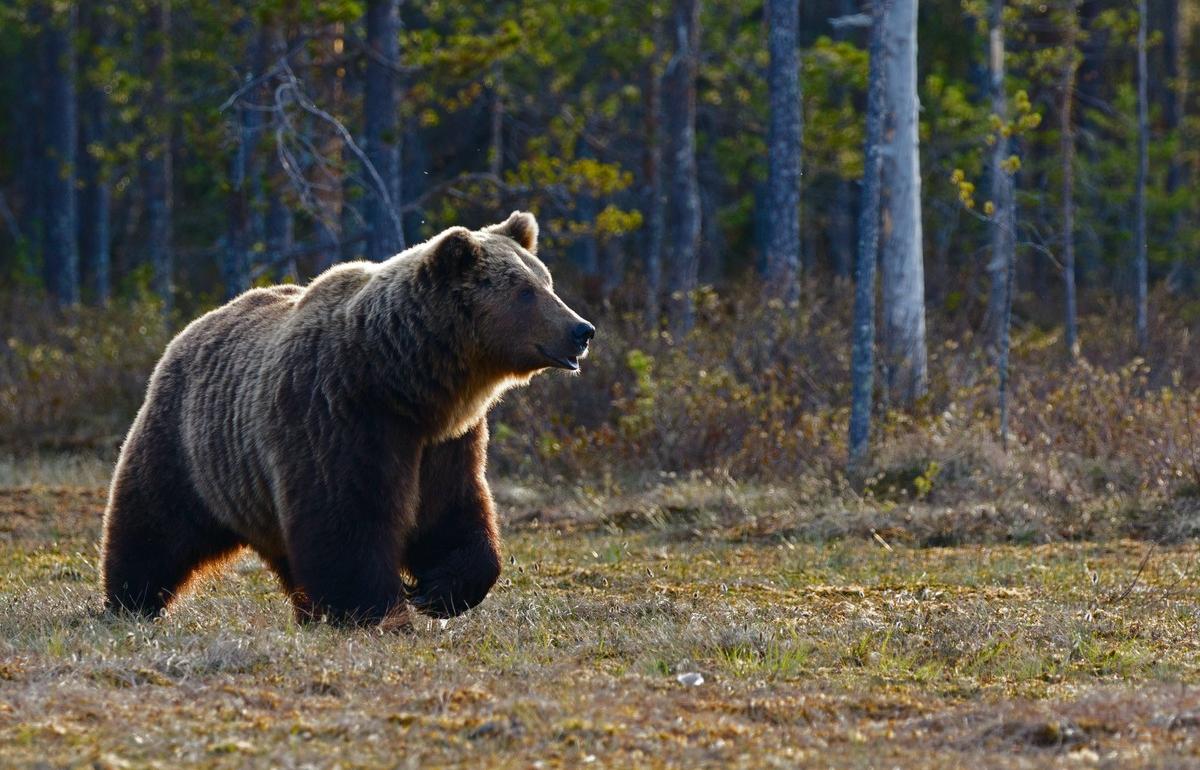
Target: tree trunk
{"points": [[1003, 238], [841, 226], [652, 191], [279, 225], [1002, 357], [29, 110], [158, 167], [235, 261], [280, 237], [1090, 85], [95, 201], [247, 228], [584, 251], [712, 251], [1002, 266], [1140, 259], [1176, 28], [902, 261], [61, 256], [841, 218], [784, 136], [496, 152], [260, 58], [347, 87], [683, 222], [862, 372], [382, 135], [612, 267], [1067, 153], [416, 158]]}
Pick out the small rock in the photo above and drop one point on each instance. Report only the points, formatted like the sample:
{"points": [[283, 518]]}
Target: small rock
{"points": [[690, 679]]}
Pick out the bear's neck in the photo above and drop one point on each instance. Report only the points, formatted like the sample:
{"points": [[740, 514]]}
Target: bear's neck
{"points": [[420, 344]]}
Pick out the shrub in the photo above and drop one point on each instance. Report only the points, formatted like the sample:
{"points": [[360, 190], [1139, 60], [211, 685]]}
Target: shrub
{"points": [[74, 377], [758, 392]]}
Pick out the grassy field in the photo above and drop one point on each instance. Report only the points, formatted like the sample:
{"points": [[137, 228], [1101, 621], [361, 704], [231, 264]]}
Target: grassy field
{"points": [[858, 651]]}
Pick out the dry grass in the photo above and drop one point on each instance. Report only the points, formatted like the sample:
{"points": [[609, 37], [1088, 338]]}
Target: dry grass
{"points": [[55, 469], [826, 653]]}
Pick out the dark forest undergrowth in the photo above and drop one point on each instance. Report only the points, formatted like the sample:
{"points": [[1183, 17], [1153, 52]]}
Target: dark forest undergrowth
{"points": [[743, 423]]}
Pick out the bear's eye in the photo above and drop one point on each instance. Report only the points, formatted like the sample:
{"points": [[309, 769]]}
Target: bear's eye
{"points": [[526, 294]]}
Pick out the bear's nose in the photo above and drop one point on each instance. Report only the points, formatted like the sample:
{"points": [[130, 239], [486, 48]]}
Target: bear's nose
{"points": [[583, 334]]}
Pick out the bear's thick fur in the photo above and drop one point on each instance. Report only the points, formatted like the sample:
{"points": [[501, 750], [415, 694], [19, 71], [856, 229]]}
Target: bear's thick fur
{"points": [[339, 430]]}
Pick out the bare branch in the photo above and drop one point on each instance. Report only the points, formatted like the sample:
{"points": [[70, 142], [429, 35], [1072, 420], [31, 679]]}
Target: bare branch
{"points": [[292, 83], [253, 83]]}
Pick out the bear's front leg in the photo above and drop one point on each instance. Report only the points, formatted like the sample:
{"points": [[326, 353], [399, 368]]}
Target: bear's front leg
{"points": [[455, 554], [345, 529]]}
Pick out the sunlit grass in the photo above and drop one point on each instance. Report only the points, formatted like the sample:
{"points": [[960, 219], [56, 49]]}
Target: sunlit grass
{"points": [[579, 650]]}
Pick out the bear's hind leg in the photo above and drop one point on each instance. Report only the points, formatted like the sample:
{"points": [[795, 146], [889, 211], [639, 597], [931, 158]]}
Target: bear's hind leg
{"points": [[302, 608], [154, 541]]}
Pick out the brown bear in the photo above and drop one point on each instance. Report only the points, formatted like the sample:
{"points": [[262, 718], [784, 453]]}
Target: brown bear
{"points": [[339, 430]]}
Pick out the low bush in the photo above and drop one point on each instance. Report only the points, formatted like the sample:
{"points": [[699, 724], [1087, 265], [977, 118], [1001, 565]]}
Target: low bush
{"points": [[74, 378], [759, 393]]}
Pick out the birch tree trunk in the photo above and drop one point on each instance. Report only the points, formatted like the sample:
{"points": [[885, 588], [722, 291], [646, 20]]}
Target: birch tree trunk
{"points": [[1001, 266], [382, 135], [1003, 240], [1067, 153], [1140, 258], [683, 222], [158, 166], [61, 255], [904, 351], [784, 136], [862, 372]]}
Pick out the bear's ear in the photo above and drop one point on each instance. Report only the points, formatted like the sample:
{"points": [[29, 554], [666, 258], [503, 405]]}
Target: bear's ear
{"points": [[521, 227], [454, 252]]}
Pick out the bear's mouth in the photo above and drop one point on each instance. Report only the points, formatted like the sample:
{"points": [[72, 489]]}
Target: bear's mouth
{"points": [[570, 363]]}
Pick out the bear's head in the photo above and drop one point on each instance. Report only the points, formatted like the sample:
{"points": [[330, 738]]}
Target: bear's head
{"points": [[520, 325]]}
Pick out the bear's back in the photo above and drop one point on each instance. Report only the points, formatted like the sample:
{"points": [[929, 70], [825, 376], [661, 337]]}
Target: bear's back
{"points": [[243, 360], [221, 360]]}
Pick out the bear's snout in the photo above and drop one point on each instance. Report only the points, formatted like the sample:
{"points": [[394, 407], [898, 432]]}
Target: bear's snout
{"points": [[564, 351], [582, 334]]}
